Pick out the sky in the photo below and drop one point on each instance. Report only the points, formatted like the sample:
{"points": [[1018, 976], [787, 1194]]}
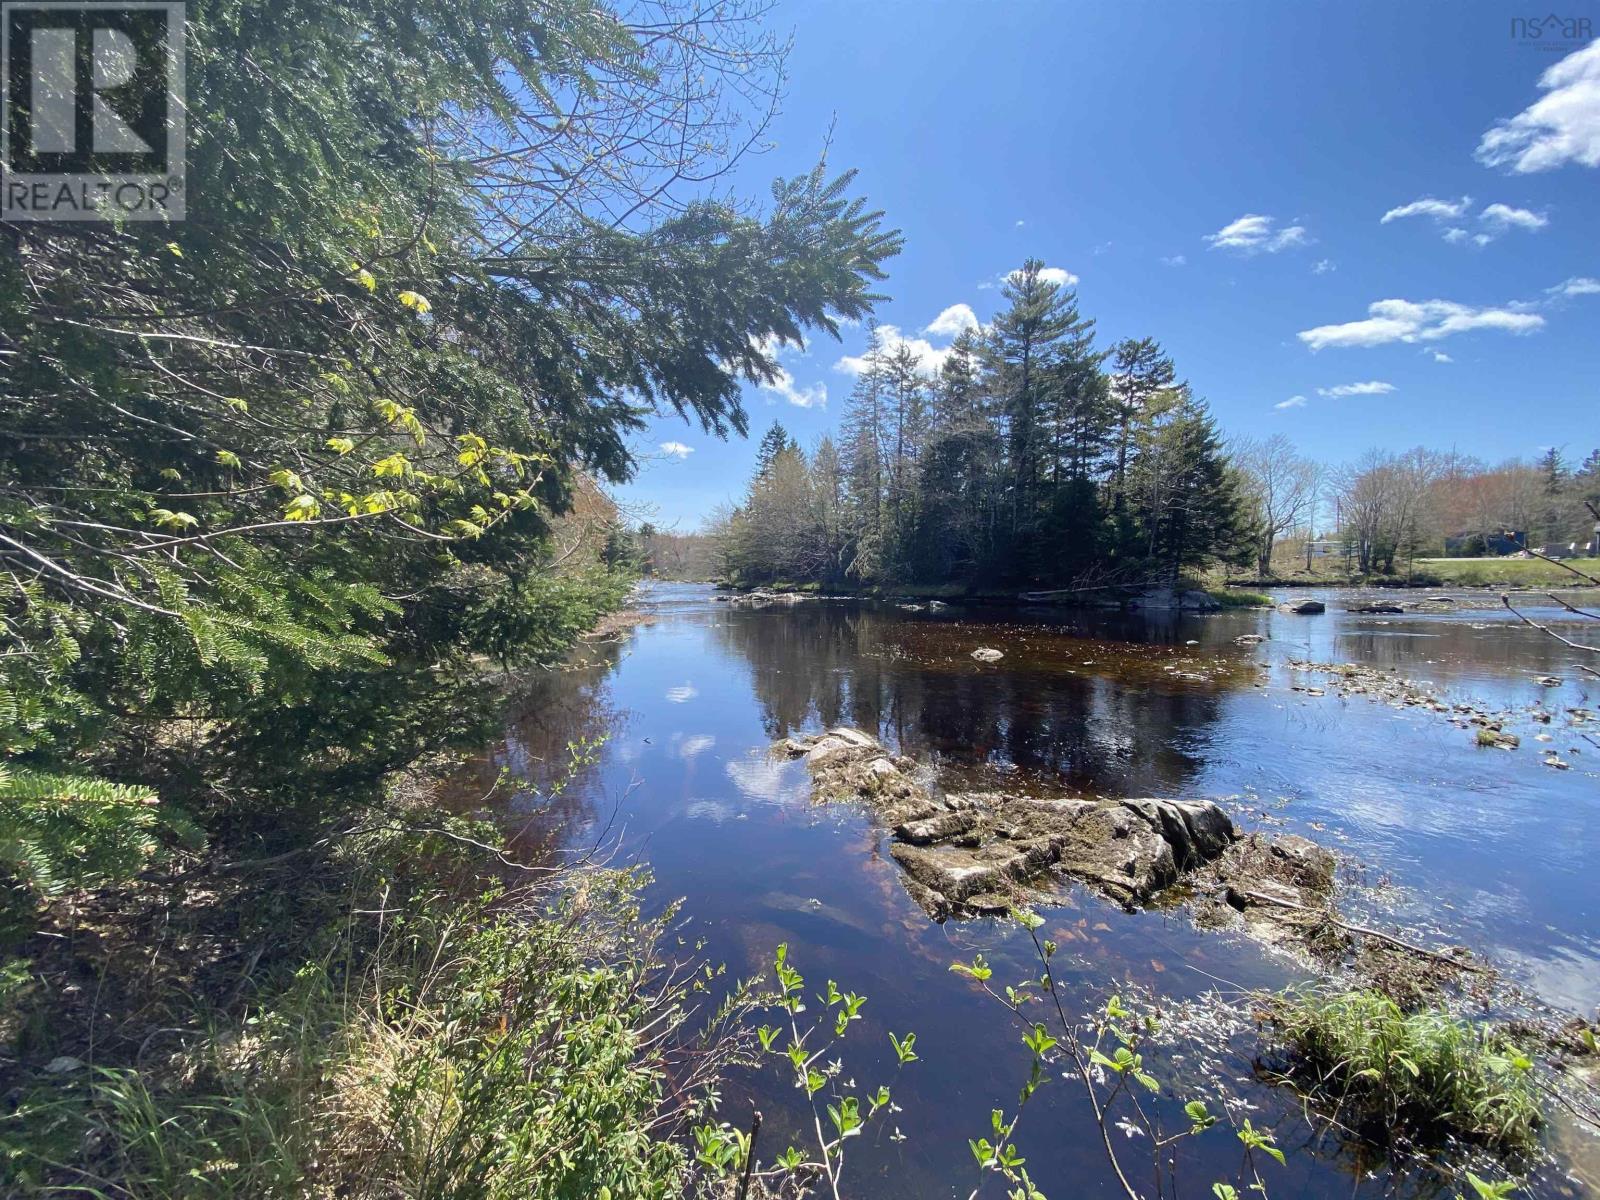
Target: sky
{"points": [[1363, 225]]}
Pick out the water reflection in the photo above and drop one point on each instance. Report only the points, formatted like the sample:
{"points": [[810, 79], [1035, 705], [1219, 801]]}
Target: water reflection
{"points": [[1485, 848], [1063, 711]]}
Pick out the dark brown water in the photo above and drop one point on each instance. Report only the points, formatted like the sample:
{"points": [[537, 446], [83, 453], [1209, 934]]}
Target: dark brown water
{"points": [[1455, 844]]}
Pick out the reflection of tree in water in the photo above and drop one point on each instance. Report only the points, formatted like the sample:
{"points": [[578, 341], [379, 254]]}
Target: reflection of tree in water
{"points": [[1121, 723], [546, 798]]}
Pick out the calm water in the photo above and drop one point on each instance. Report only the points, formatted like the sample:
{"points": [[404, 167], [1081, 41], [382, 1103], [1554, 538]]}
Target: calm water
{"points": [[1485, 848]]}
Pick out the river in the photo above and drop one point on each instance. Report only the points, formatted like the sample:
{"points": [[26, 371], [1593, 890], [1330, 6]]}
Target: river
{"points": [[1447, 841]]}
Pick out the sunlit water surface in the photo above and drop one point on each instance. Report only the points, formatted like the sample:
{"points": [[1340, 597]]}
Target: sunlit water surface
{"points": [[1486, 848]]}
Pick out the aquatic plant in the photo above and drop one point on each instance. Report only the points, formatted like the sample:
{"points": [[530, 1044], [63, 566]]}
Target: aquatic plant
{"points": [[1409, 1074], [1233, 598]]}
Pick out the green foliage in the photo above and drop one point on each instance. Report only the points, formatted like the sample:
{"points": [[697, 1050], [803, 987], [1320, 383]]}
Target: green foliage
{"points": [[1423, 1072], [810, 1053], [512, 1046], [1233, 598], [1024, 459], [1105, 1055], [61, 832], [274, 482]]}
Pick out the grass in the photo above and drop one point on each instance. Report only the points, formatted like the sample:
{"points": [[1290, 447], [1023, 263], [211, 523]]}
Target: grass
{"points": [[1504, 572], [1233, 598], [1415, 1075], [1444, 572], [528, 1043]]}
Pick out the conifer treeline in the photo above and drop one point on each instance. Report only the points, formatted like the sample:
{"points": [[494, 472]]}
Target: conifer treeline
{"points": [[1031, 456]]}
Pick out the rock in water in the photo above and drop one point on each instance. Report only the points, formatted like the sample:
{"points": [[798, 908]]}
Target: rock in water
{"points": [[985, 654], [1304, 608]]}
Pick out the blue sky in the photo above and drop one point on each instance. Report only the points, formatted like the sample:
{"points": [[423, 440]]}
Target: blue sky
{"points": [[1129, 145]]}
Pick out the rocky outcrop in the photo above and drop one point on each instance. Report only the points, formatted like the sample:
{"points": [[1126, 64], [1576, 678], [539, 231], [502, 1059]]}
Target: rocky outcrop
{"points": [[983, 853], [986, 852]]}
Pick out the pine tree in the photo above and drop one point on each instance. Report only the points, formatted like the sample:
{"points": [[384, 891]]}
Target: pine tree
{"points": [[1140, 375], [1185, 495], [1039, 314]]}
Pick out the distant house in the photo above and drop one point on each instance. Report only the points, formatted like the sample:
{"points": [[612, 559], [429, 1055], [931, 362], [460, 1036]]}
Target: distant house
{"points": [[1474, 544]]}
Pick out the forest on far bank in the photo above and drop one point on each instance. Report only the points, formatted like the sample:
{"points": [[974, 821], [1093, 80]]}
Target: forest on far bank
{"points": [[1033, 457]]}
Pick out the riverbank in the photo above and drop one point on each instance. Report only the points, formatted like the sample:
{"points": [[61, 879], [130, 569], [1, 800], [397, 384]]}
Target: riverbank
{"points": [[400, 1005], [1192, 596], [1515, 573]]}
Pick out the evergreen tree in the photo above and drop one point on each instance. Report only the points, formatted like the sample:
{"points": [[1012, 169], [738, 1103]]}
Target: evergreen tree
{"points": [[1187, 497], [773, 443], [1140, 375], [1039, 314], [284, 472]]}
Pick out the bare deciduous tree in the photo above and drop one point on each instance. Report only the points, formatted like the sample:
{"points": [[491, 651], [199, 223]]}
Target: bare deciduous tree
{"points": [[1282, 488]]}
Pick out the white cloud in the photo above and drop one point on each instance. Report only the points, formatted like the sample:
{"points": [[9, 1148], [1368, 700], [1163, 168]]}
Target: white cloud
{"points": [[1578, 285], [1254, 234], [1291, 402], [1562, 126], [1439, 210], [1494, 220], [1056, 275], [1506, 217], [952, 321], [1176, 260], [1020, 224], [676, 449], [929, 357], [695, 744], [684, 694], [1323, 265], [1411, 321], [775, 347], [1373, 387], [1439, 356], [783, 386]]}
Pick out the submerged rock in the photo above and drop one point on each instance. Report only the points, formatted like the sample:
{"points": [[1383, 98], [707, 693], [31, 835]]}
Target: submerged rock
{"points": [[986, 654], [1249, 639]]}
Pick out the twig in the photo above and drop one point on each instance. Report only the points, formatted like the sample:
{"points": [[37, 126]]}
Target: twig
{"points": [[1577, 612], [1506, 600], [1564, 566], [1261, 898]]}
